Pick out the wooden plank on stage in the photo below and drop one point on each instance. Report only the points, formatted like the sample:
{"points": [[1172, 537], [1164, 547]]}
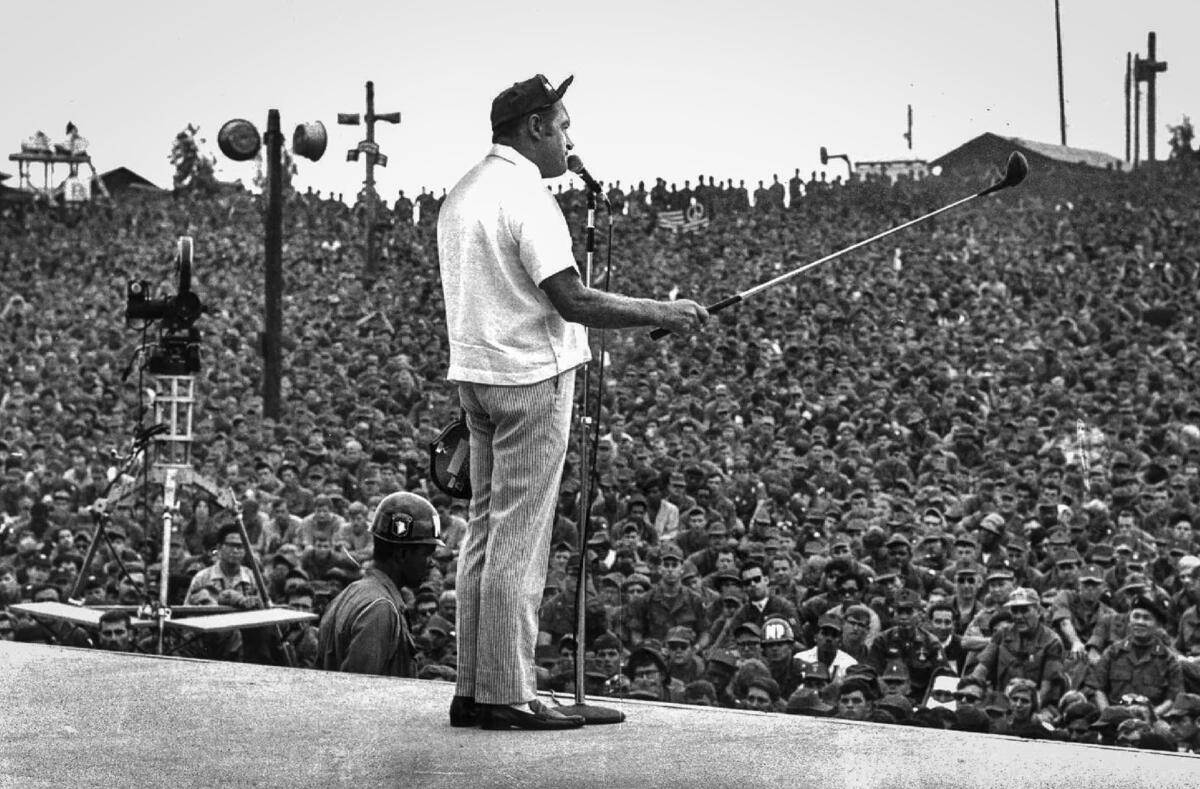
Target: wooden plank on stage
{"points": [[75, 614], [78, 717], [240, 619]]}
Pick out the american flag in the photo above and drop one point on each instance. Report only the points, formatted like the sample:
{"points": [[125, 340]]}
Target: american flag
{"points": [[684, 221]]}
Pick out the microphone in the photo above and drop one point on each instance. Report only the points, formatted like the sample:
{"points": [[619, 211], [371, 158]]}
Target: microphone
{"points": [[575, 165], [144, 435]]}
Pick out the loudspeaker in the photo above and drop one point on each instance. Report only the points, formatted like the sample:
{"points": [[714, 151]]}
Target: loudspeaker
{"points": [[309, 140], [239, 140]]}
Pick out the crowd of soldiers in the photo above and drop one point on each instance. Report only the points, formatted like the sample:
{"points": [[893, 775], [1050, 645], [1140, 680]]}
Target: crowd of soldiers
{"points": [[950, 482]]}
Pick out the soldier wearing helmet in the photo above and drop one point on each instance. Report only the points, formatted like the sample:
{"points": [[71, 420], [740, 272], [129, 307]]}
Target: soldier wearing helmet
{"points": [[364, 630], [779, 646]]}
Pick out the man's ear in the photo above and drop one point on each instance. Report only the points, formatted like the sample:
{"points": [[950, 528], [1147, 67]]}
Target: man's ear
{"points": [[535, 126]]}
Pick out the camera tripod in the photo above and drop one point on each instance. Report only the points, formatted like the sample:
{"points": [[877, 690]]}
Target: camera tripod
{"points": [[165, 452]]}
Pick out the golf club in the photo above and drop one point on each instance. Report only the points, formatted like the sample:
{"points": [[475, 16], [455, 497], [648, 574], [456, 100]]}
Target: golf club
{"points": [[1014, 173]]}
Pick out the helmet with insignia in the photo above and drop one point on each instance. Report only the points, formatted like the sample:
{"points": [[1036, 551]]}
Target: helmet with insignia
{"points": [[777, 631], [407, 519]]}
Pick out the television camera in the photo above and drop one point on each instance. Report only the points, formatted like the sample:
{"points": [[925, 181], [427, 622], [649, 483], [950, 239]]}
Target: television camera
{"points": [[177, 351]]}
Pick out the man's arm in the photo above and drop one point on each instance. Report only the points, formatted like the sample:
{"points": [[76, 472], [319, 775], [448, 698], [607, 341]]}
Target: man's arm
{"points": [[600, 310], [877, 654], [973, 643], [1061, 617], [546, 633], [1100, 634], [1052, 660], [788, 611], [973, 638], [1097, 678], [703, 639], [1045, 689], [987, 657], [634, 623], [199, 578], [1174, 685]]}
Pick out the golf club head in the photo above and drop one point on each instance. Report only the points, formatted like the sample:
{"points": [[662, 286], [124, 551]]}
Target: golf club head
{"points": [[1015, 171]]}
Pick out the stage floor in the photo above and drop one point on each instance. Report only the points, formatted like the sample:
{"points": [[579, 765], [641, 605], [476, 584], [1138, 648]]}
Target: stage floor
{"points": [[82, 718]]}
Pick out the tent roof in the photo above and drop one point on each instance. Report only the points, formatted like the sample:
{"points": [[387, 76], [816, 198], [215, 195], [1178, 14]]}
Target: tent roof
{"points": [[988, 145], [1064, 153], [126, 178]]}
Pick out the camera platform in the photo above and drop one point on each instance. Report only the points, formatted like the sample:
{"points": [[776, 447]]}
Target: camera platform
{"points": [[204, 618]]}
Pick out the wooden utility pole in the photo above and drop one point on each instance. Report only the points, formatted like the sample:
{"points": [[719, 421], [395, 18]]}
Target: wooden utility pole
{"points": [[239, 140], [1147, 71], [273, 280], [371, 155], [1137, 110], [1128, 86], [1062, 101], [908, 134]]}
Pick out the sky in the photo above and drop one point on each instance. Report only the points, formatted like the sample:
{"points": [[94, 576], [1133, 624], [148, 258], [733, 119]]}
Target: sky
{"points": [[668, 89]]}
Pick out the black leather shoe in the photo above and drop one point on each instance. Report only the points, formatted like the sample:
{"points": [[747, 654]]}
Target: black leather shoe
{"points": [[464, 711], [541, 717]]}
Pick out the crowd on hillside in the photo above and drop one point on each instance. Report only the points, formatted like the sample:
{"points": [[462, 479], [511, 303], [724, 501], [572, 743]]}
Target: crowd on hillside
{"points": [[950, 480]]}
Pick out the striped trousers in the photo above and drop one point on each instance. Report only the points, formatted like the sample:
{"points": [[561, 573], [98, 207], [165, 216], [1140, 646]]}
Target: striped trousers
{"points": [[519, 440]]}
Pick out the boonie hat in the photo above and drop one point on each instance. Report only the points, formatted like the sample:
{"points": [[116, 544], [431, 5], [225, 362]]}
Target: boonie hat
{"points": [[1023, 596]]}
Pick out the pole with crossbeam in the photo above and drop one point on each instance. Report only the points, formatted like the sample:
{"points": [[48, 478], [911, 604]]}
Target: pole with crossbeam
{"points": [[368, 149]]}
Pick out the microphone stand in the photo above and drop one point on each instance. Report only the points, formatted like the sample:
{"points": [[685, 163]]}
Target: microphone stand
{"points": [[591, 714]]}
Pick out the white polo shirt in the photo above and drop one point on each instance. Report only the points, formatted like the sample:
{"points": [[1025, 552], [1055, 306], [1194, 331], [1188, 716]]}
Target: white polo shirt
{"points": [[500, 235]]}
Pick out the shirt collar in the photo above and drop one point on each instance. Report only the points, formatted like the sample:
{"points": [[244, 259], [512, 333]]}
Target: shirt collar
{"points": [[515, 157], [388, 583]]}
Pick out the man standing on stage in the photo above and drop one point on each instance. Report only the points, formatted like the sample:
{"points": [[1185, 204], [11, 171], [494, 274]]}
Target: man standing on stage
{"points": [[516, 309]]}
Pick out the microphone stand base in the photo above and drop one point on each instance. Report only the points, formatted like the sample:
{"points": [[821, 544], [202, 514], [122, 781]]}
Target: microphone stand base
{"points": [[592, 715]]}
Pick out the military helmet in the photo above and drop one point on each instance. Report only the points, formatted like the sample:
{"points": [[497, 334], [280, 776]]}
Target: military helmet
{"points": [[777, 631], [405, 518]]}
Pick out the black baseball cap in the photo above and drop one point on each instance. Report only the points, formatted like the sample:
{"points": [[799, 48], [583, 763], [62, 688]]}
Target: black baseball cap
{"points": [[535, 93]]}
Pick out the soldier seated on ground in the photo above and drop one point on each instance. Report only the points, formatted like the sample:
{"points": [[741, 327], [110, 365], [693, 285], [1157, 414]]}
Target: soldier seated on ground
{"points": [[1139, 664], [649, 677], [1184, 719], [856, 699], [700, 693], [301, 637], [762, 694], [1022, 698], [115, 632]]}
